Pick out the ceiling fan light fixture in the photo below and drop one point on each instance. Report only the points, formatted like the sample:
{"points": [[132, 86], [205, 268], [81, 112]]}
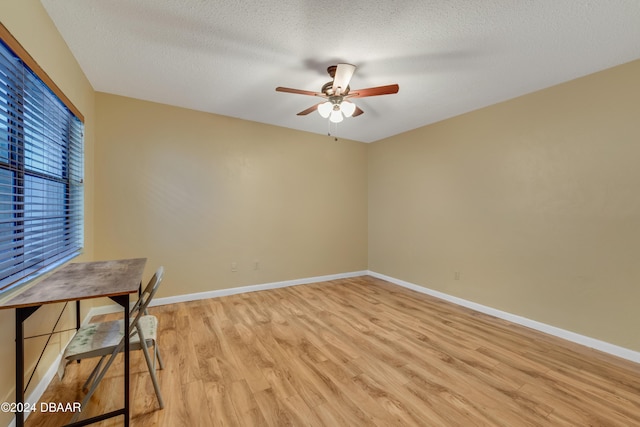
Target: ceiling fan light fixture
{"points": [[336, 116], [347, 108], [325, 109]]}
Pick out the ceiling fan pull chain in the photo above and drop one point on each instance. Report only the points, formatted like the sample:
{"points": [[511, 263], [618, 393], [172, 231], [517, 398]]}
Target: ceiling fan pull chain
{"points": [[335, 138]]}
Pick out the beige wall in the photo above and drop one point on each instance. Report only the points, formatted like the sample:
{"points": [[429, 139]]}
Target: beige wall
{"points": [[533, 201], [196, 192], [22, 18]]}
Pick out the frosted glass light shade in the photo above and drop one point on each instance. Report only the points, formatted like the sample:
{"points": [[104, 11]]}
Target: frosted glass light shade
{"points": [[325, 109], [336, 116], [347, 108]]}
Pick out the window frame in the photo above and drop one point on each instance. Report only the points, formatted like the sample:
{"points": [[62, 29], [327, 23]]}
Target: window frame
{"points": [[17, 163]]}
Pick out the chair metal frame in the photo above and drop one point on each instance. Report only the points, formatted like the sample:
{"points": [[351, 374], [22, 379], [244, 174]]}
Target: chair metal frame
{"points": [[138, 314]]}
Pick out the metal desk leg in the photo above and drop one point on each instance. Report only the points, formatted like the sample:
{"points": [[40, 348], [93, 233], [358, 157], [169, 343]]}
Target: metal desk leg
{"points": [[78, 320], [78, 315], [127, 401], [123, 300], [22, 314]]}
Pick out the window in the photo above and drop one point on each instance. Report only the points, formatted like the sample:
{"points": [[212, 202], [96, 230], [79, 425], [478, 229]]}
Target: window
{"points": [[41, 171]]}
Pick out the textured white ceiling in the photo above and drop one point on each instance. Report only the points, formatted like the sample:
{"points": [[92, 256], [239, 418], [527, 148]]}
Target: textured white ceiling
{"points": [[448, 56]]}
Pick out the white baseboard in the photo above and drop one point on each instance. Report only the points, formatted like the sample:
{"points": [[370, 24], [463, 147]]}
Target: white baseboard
{"points": [[114, 308], [586, 341], [253, 288]]}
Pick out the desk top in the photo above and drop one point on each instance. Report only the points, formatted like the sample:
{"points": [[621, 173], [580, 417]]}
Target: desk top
{"points": [[85, 280]]}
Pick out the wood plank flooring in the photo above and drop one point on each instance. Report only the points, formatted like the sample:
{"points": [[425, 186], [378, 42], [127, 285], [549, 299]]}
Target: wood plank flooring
{"points": [[358, 352]]}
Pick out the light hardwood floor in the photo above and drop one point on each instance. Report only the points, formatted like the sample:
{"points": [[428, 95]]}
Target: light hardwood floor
{"points": [[358, 352]]}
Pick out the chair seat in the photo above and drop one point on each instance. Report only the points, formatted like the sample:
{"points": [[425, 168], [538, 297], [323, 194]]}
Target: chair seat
{"points": [[99, 339]]}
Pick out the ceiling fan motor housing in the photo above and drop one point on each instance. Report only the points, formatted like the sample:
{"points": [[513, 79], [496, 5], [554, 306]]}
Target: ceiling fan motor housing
{"points": [[327, 89]]}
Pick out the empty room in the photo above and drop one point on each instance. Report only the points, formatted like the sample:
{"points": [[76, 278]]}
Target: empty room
{"points": [[409, 213]]}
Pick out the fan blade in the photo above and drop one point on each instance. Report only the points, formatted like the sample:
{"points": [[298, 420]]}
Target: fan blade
{"points": [[299, 91], [374, 91], [357, 112], [308, 110], [343, 75]]}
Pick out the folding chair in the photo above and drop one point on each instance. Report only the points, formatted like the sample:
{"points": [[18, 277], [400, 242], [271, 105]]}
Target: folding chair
{"points": [[106, 340]]}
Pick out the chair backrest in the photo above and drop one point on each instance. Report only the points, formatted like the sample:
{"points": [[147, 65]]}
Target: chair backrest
{"points": [[139, 309]]}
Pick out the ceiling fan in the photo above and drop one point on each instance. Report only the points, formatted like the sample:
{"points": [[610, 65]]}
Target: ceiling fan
{"points": [[338, 93]]}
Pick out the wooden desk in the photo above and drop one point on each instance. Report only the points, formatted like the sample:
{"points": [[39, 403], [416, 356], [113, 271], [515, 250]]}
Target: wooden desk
{"points": [[75, 282]]}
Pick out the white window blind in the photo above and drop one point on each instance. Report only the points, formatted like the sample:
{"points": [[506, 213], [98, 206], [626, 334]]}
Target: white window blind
{"points": [[41, 174]]}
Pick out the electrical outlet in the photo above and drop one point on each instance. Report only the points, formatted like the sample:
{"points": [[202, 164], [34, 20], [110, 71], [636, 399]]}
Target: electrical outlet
{"points": [[256, 265], [456, 275], [234, 266]]}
